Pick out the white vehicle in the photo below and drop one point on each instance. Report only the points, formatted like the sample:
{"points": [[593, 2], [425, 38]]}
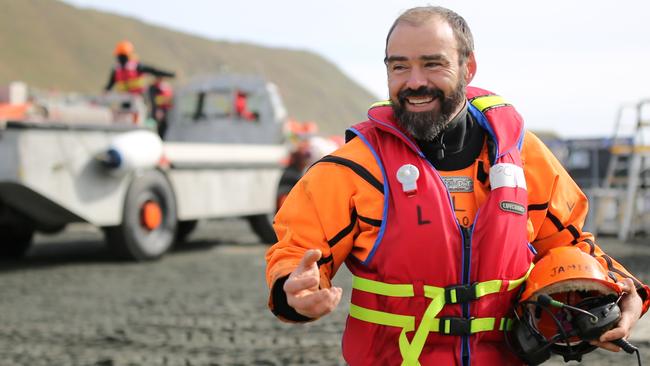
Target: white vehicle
{"points": [[146, 193]]}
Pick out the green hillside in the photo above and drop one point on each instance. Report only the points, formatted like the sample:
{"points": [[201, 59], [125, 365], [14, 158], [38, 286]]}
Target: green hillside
{"points": [[53, 45]]}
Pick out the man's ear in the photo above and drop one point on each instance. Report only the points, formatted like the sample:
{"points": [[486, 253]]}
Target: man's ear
{"points": [[470, 68]]}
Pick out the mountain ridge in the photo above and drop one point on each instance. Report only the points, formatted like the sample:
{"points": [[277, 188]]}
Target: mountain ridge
{"points": [[55, 45]]}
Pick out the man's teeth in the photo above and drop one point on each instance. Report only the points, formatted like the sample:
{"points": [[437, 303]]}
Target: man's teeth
{"points": [[419, 100]]}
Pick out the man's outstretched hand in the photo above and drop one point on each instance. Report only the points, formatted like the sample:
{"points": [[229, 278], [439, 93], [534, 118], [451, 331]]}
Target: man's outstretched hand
{"points": [[303, 288]]}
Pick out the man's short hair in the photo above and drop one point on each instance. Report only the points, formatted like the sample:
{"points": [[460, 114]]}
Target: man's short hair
{"points": [[419, 15]]}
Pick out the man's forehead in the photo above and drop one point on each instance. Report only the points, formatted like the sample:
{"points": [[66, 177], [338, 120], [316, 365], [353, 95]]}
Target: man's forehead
{"points": [[432, 36]]}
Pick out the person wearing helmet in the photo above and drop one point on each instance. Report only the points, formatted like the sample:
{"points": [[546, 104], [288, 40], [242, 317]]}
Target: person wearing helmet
{"points": [[127, 74], [438, 204]]}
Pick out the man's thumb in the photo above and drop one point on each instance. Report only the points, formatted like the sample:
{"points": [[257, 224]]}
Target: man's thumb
{"points": [[309, 258]]}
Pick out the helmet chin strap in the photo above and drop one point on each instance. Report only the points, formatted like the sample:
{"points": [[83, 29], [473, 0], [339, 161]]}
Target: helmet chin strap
{"points": [[547, 301], [587, 320]]}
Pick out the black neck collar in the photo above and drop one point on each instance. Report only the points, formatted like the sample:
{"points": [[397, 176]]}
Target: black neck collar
{"points": [[457, 146]]}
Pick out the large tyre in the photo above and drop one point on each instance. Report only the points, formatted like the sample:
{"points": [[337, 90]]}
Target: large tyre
{"points": [[148, 224], [184, 229], [262, 225], [15, 241]]}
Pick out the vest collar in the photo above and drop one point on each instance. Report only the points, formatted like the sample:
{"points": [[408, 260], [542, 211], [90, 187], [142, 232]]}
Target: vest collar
{"points": [[382, 115]]}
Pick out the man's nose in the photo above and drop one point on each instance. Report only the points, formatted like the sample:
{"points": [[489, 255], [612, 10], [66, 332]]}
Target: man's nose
{"points": [[417, 78]]}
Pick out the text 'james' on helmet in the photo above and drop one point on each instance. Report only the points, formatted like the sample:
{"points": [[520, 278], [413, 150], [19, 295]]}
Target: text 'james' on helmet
{"points": [[566, 269]]}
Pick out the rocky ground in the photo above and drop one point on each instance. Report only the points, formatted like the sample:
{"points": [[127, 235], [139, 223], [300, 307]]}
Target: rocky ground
{"points": [[68, 303]]}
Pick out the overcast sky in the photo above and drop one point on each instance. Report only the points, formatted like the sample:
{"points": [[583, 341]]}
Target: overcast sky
{"points": [[566, 65]]}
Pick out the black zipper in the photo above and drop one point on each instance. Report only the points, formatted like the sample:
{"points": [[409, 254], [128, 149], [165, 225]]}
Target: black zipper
{"points": [[467, 246]]}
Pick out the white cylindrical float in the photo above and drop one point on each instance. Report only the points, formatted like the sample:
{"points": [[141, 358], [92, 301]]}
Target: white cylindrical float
{"points": [[141, 149]]}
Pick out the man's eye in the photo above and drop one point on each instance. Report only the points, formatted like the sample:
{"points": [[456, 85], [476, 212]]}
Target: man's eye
{"points": [[431, 65], [398, 67]]}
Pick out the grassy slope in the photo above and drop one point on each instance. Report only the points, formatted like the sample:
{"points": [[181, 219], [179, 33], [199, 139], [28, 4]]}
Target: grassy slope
{"points": [[53, 45]]}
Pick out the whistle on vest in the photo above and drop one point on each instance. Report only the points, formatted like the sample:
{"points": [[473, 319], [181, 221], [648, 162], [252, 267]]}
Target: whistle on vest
{"points": [[408, 175]]}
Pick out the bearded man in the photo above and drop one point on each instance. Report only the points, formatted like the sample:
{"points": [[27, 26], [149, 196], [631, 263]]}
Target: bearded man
{"points": [[438, 204]]}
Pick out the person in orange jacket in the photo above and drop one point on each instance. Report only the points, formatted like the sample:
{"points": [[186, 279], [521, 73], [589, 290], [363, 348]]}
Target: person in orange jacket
{"points": [[127, 74], [440, 193]]}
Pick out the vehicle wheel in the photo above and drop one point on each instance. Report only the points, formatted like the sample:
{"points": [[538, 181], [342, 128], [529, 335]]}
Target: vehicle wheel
{"points": [[149, 219], [184, 229], [15, 241], [263, 227]]}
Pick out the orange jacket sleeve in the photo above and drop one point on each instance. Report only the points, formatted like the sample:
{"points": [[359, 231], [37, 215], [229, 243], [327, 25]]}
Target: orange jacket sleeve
{"points": [[557, 211], [331, 208]]}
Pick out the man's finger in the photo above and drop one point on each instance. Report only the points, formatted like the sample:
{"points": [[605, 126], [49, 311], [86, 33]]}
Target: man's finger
{"points": [[606, 345], [308, 260], [627, 285], [297, 284], [317, 304], [615, 333]]}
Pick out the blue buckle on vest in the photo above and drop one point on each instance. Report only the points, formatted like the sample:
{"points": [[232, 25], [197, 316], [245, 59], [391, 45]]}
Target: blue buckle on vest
{"points": [[460, 294], [450, 325]]}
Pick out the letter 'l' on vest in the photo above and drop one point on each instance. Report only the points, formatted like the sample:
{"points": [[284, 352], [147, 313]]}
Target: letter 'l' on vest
{"points": [[432, 292], [128, 79]]}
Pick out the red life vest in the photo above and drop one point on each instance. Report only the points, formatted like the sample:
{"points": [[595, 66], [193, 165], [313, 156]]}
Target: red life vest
{"points": [[163, 95], [241, 106], [128, 78], [400, 312]]}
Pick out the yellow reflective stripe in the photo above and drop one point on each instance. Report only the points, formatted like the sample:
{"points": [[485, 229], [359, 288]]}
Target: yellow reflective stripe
{"points": [[404, 347], [407, 322], [481, 324], [488, 287], [379, 317], [121, 86], [135, 83], [411, 352], [487, 101], [380, 103], [506, 324], [381, 288], [162, 100], [433, 291], [406, 290], [519, 281]]}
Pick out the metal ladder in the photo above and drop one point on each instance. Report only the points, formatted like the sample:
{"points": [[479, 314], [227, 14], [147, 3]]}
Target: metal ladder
{"points": [[623, 201]]}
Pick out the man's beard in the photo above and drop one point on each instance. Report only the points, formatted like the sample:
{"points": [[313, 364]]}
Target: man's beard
{"points": [[427, 125]]}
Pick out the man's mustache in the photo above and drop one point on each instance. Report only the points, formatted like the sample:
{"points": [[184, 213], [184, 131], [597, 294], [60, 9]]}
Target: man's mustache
{"points": [[422, 91]]}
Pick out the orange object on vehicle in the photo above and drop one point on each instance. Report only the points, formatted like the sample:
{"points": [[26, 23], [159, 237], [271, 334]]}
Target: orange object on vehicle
{"points": [[13, 111], [151, 215]]}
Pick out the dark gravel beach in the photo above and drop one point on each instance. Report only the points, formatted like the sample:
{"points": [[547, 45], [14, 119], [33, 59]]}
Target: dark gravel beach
{"points": [[68, 303]]}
